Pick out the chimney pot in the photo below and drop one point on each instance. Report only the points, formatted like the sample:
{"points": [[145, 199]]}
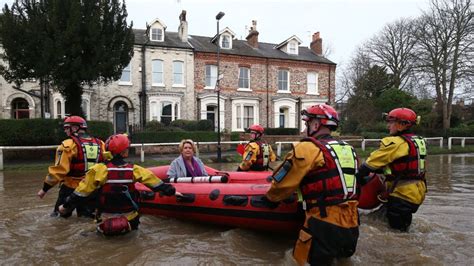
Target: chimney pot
{"points": [[183, 27], [252, 38], [317, 44]]}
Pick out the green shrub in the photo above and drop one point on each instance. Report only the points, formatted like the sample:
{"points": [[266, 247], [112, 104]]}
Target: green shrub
{"points": [[34, 132], [193, 125], [281, 131], [165, 137], [99, 129], [154, 126], [234, 136], [373, 135], [205, 125]]}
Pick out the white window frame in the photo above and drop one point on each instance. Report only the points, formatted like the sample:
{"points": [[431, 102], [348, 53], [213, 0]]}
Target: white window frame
{"points": [[212, 100], [156, 107], [58, 98], [292, 47], [239, 106], [286, 117], [289, 104], [155, 36], [312, 83], [212, 76], [154, 112], [127, 69], [157, 72], [86, 109], [248, 79], [287, 90], [227, 37], [179, 72]]}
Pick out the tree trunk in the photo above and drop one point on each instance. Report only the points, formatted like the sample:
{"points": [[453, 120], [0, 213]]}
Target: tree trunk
{"points": [[73, 95]]}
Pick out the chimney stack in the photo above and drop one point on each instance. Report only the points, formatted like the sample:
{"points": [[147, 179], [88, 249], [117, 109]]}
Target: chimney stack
{"points": [[183, 27], [317, 44], [252, 38]]}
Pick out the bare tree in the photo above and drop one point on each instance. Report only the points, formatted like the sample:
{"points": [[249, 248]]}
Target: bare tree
{"points": [[445, 49], [350, 73], [392, 47]]}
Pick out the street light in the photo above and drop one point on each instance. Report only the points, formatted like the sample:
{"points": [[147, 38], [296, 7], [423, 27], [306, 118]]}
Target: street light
{"points": [[218, 89]]}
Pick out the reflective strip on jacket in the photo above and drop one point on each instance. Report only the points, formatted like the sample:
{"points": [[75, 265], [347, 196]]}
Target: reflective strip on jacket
{"points": [[60, 171], [97, 177], [118, 194], [89, 153], [394, 150], [257, 156], [334, 182]]}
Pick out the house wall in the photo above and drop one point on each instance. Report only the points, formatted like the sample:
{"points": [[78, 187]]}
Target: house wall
{"points": [[264, 84]]}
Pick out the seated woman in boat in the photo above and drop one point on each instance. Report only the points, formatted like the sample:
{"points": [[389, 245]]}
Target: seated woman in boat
{"points": [[186, 165]]}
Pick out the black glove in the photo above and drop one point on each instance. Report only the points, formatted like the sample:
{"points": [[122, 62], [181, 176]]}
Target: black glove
{"points": [[166, 189], [268, 203], [363, 175]]}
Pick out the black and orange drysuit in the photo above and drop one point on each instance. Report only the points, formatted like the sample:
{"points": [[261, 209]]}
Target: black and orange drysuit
{"points": [[402, 160], [322, 171], [257, 156], [118, 198], [74, 157]]}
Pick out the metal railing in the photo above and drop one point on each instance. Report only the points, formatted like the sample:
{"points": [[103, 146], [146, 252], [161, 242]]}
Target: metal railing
{"points": [[142, 148], [463, 141], [363, 143], [279, 145]]}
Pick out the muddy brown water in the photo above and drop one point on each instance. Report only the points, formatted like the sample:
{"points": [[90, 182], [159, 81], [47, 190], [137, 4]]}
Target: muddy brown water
{"points": [[442, 232]]}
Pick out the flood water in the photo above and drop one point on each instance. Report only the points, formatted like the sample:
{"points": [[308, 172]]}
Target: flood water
{"points": [[442, 232]]}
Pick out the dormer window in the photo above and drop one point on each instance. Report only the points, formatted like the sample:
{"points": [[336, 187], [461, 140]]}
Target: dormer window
{"points": [[225, 41], [156, 34], [292, 48], [157, 31], [290, 45], [225, 38]]}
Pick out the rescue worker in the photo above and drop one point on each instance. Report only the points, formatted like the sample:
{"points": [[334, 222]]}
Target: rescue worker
{"points": [[115, 180], [74, 157], [321, 170], [258, 154], [401, 158]]}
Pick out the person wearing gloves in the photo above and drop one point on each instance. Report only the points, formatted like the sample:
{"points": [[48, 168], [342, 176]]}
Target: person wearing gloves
{"points": [[118, 199], [401, 159], [74, 157], [321, 169], [258, 154]]}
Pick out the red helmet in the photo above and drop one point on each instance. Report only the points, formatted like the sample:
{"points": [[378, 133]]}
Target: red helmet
{"points": [[117, 143], [257, 128], [324, 112], [75, 120], [404, 115]]}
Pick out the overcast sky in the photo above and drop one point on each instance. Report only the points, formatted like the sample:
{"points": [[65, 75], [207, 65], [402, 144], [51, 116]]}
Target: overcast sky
{"points": [[343, 24]]}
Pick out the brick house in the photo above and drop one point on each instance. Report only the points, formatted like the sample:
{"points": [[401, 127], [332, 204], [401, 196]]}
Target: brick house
{"points": [[172, 75], [262, 83]]}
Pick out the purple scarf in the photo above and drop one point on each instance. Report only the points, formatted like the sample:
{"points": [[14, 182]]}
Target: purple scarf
{"points": [[189, 171]]}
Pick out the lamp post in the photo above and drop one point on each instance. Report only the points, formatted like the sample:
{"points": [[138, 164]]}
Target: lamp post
{"points": [[218, 89]]}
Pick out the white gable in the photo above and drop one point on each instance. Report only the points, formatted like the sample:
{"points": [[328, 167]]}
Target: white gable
{"points": [[290, 45], [157, 30]]}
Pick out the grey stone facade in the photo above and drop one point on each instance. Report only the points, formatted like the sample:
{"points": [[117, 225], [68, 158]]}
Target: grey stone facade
{"points": [[160, 57]]}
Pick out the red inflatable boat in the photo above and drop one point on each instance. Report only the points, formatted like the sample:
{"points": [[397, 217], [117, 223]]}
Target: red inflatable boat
{"points": [[233, 199]]}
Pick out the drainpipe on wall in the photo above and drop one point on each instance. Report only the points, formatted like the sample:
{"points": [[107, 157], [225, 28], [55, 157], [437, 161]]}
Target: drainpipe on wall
{"points": [[142, 93], [268, 96], [329, 85], [298, 115]]}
